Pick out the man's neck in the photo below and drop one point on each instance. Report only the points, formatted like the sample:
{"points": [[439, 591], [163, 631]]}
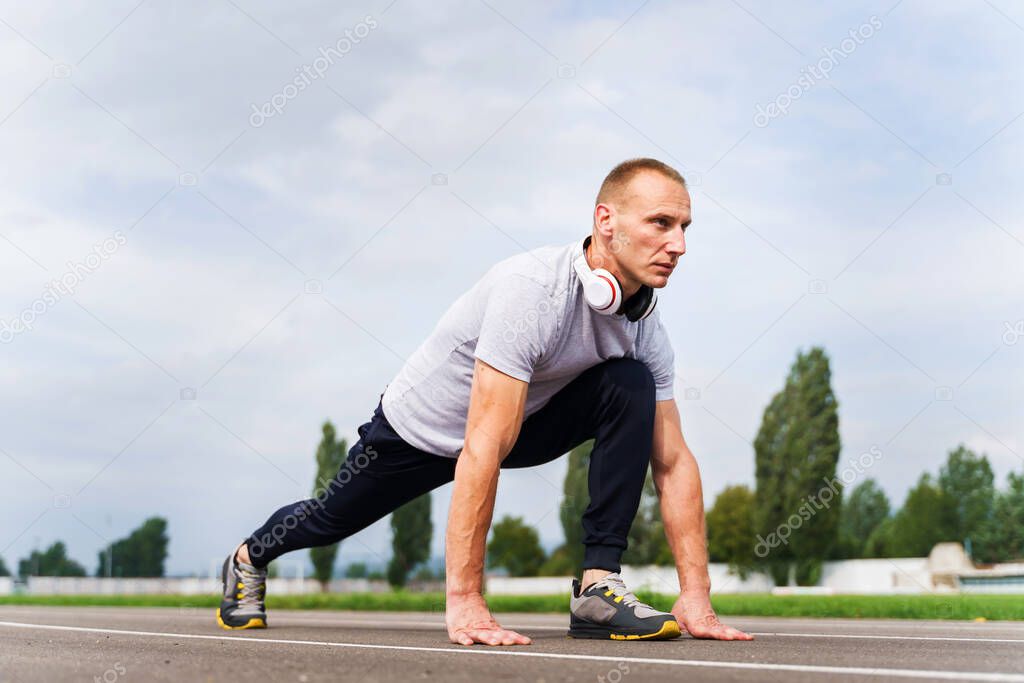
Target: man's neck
{"points": [[593, 254]]}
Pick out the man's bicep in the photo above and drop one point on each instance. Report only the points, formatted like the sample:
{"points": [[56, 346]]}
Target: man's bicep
{"points": [[497, 403]]}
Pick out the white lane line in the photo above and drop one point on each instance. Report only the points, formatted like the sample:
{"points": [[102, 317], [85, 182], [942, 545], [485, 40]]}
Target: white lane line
{"points": [[461, 650], [1019, 641]]}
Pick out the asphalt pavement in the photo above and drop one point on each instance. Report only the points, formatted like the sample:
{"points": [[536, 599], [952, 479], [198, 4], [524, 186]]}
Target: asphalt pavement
{"points": [[116, 645]]}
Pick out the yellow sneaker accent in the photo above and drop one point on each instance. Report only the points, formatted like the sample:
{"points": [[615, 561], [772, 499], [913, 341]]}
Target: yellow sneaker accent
{"points": [[255, 622], [668, 630]]}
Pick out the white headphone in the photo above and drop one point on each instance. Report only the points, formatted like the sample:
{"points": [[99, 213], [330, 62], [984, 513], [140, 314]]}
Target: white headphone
{"points": [[603, 292]]}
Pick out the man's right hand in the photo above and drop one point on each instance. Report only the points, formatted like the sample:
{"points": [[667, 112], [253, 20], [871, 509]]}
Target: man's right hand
{"points": [[469, 621]]}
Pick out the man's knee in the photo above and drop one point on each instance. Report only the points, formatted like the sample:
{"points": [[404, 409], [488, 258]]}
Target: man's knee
{"points": [[629, 376]]}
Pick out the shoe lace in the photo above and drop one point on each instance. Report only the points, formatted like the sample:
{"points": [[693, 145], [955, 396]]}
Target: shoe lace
{"points": [[617, 586], [251, 587]]}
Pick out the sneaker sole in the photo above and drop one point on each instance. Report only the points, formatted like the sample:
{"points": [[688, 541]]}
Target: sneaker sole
{"points": [[255, 622], [668, 631]]}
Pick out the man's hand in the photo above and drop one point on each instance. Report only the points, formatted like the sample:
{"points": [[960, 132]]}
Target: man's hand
{"points": [[469, 621], [695, 614]]}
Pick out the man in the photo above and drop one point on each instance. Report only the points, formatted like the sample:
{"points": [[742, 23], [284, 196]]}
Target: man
{"points": [[549, 349]]}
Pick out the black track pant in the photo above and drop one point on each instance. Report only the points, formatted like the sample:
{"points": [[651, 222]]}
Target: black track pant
{"points": [[612, 402]]}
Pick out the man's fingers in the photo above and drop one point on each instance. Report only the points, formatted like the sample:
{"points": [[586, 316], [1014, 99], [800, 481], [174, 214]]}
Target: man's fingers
{"points": [[720, 632], [730, 633], [497, 636], [506, 637], [482, 635], [514, 638], [468, 636]]}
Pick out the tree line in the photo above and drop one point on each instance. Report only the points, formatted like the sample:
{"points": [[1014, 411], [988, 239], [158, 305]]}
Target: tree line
{"points": [[140, 554], [798, 513]]}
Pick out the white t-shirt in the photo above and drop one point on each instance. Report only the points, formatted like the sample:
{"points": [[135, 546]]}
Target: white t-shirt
{"points": [[527, 318]]}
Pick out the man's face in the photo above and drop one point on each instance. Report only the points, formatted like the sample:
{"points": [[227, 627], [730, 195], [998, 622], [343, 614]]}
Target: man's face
{"points": [[647, 224]]}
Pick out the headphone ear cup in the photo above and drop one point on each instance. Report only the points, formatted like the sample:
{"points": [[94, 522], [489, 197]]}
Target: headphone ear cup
{"points": [[641, 304], [650, 306], [603, 292]]}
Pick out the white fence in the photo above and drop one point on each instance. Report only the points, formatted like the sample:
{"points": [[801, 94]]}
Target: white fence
{"points": [[903, 575], [665, 580]]}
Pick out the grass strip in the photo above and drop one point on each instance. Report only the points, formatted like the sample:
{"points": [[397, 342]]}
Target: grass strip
{"points": [[954, 607]]}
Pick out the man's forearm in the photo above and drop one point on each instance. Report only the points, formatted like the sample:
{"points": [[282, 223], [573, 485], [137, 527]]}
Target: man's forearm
{"points": [[682, 510], [469, 519]]}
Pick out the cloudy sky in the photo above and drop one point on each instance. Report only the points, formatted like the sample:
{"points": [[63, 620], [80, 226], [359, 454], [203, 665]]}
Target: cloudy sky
{"points": [[249, 258]]}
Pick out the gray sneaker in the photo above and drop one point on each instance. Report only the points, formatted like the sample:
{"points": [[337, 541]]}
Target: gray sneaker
{"points": [[245, 587], [607, 610]]}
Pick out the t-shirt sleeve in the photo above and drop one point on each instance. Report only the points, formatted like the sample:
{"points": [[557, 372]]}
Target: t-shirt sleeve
{"points": [[517, 323], [654, 349]]}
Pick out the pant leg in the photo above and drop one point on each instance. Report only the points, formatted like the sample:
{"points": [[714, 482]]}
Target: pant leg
{"points": [[612, 403], [381, 474]]}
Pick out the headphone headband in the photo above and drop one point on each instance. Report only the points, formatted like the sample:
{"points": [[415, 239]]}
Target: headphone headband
{"points": [[603, 291]]}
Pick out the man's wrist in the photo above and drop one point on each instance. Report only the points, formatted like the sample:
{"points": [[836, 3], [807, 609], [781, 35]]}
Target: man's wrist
{"points": [[464, 601], [695, 598], [462, 592], [694, 585]]}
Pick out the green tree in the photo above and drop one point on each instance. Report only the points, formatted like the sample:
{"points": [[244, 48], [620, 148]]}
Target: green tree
{"points": [[647, 542], [515, 546], [425, 573], [1002, 537], [969, 484], [863, 510], [412, 532], [330, 455], [3, 568], [796, 451], [730, 524], [356, 570], [880, 543], [558, 564], [927, 517], [141, 554], [53, 561]]}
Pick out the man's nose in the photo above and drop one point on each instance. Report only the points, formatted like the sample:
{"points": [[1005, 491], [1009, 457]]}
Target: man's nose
{"points": [[677, 246]]}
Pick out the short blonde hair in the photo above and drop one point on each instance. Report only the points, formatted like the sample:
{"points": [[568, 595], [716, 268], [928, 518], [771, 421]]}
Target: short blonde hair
{"points": [[620, 176]]}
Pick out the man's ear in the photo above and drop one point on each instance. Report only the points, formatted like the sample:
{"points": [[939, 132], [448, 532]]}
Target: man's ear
{"points": [[604, 219]]}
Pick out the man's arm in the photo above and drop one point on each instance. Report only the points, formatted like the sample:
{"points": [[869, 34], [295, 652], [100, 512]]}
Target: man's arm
{"points": [[677, 479], [496, 406]]}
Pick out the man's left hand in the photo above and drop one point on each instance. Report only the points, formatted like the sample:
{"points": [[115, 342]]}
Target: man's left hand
{"points": [[695, 614]]}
